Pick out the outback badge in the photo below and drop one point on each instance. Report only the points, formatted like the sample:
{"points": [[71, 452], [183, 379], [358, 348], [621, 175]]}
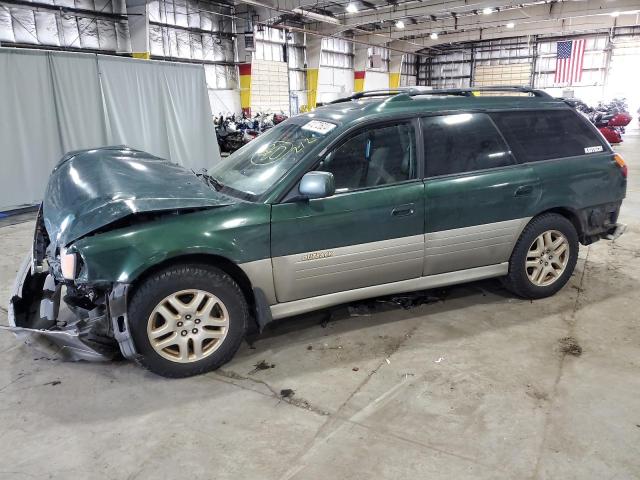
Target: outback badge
{"points": [[317, 255]]}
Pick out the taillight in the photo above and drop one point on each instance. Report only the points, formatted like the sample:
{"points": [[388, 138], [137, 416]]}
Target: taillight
{"points": [[623, 166]]}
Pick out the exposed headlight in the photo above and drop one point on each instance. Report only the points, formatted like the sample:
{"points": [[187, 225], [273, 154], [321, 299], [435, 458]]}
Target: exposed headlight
{"points": [[68, 264]]}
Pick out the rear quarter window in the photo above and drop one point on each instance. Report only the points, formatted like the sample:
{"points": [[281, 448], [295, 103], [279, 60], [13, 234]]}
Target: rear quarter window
{"points": [[543, 135]]}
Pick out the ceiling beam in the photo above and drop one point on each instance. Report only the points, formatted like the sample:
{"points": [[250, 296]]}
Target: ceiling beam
{"points": [[566, 17]]}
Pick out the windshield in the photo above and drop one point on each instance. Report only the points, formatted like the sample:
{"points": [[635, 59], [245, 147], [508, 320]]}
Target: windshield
{"points": [[257, 166]]}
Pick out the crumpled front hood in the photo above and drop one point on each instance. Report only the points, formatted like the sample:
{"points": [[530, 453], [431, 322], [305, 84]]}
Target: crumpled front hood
{"points": [[90, 189]]}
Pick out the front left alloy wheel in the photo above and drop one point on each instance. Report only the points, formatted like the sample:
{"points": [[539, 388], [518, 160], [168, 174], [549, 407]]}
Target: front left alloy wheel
{"points": [[187, 320]]}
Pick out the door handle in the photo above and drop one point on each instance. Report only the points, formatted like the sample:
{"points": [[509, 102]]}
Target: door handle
{"points": [[404, 210], [523, 191]]}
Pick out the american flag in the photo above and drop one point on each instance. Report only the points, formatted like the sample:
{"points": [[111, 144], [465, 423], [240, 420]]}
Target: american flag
{"points": [[569, 61]]}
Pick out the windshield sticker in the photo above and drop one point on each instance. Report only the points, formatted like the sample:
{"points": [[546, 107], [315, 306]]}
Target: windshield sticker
{"points": [[279, 149], [593, 149], [317, 126]]}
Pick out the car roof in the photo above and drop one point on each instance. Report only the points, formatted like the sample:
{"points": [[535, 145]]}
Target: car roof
{"points": [[370, 105]]}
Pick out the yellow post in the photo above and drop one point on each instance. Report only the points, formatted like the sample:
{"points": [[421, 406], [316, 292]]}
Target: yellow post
{"points": [[394, 79], [312, 88]]}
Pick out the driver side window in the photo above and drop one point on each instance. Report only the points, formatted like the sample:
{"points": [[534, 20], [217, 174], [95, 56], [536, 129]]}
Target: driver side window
{"points": [[373, 157]]}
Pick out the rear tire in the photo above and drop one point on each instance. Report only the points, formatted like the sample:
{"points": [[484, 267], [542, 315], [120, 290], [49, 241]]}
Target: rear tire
{"points": [[187, 320], [544, 257]]}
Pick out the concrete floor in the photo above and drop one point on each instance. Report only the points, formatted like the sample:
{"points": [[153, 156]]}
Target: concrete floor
{"points": [[472, 387]]}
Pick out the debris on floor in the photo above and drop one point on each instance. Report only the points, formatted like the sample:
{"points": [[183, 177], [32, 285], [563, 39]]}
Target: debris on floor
{"points": [[439, 360], [53, 383], [262, 365], [355, 369], [415, 299], [361, 310], [287, 393], [570, 346], [326, 318], [310, 347], [536, 394]]}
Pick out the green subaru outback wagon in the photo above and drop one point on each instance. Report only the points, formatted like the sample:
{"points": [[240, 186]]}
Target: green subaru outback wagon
{"points": [[375, 194]]}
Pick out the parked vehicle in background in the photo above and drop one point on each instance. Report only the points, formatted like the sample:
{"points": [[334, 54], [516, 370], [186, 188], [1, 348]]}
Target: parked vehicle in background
{"points": [[379, 193], [233, 132], [611, 118]]}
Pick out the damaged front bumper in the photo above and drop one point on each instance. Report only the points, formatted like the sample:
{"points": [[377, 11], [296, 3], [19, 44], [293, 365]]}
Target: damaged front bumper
{"points": [[37, 315]]}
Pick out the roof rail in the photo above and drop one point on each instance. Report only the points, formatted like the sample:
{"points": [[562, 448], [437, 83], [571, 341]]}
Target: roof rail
{"points": [[497, 88], [466, 92], [375, 93]]}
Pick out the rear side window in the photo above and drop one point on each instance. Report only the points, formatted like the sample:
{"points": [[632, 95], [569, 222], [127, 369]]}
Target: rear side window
{"points": [[461, 143], [543, 135]]}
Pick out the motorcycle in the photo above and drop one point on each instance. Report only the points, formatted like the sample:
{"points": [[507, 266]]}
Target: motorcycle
{"points": [[611, 119], [229, 137], [233, 133]]}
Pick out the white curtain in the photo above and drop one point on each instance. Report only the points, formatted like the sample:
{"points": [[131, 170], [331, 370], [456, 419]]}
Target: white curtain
{"points": [[143, 98], [30, 143], [78, 100], [54, 102]]}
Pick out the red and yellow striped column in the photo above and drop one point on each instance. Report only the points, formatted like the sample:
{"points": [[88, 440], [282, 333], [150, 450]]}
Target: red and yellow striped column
{"points": [[358, 81], [244, 69]]}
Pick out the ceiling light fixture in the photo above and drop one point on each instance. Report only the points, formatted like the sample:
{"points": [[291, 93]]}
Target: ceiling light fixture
{"points": [[511, 25], [433, 36], [487, 10], [315, 16], [615, 14], [352, 8], [400, 24]]}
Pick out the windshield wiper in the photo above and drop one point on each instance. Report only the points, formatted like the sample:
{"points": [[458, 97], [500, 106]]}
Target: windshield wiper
{"points": [[211, 181]]}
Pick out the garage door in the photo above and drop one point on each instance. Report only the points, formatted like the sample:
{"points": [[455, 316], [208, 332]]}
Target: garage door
{"points": [[512, 74], [269, 87], [624, 71]]}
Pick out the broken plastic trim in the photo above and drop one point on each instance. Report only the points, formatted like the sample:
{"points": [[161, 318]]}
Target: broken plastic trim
{"points": [[66, 342], [117, 307]]}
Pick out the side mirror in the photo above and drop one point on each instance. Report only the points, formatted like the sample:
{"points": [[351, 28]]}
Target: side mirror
{"points": [[317, 185]]}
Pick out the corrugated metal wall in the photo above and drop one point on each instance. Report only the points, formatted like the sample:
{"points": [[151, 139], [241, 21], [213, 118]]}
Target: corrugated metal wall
{"points": [[335, 78], [446, 70], [296, 59], [75, 24], [409, 73], [594, 63]]}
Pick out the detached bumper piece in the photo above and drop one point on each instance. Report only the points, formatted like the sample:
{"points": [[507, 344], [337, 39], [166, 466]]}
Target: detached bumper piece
{"points": [[69, 331], [616, 231]]}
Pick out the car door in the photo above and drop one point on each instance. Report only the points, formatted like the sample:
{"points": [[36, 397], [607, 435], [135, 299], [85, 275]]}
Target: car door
{"points": [[370, 232], [478, 198]]}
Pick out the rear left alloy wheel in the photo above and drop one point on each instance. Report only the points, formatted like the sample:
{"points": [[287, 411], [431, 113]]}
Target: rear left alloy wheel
{"points": [[187, 320], [544, 257]]}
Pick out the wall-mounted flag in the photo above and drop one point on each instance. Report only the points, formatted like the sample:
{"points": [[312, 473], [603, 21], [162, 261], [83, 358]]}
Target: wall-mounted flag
{"points": [[569, 60]]}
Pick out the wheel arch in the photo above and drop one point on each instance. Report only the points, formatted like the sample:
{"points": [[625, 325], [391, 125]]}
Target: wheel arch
{"points": [[571, 215], [213, 260]]}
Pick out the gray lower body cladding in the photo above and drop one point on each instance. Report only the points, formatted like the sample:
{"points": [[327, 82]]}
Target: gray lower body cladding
{"points": [[470, 247], [307, 281]]}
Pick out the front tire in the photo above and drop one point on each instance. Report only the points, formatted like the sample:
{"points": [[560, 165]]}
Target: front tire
{"points": [[187, 320], [544, 257]]}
